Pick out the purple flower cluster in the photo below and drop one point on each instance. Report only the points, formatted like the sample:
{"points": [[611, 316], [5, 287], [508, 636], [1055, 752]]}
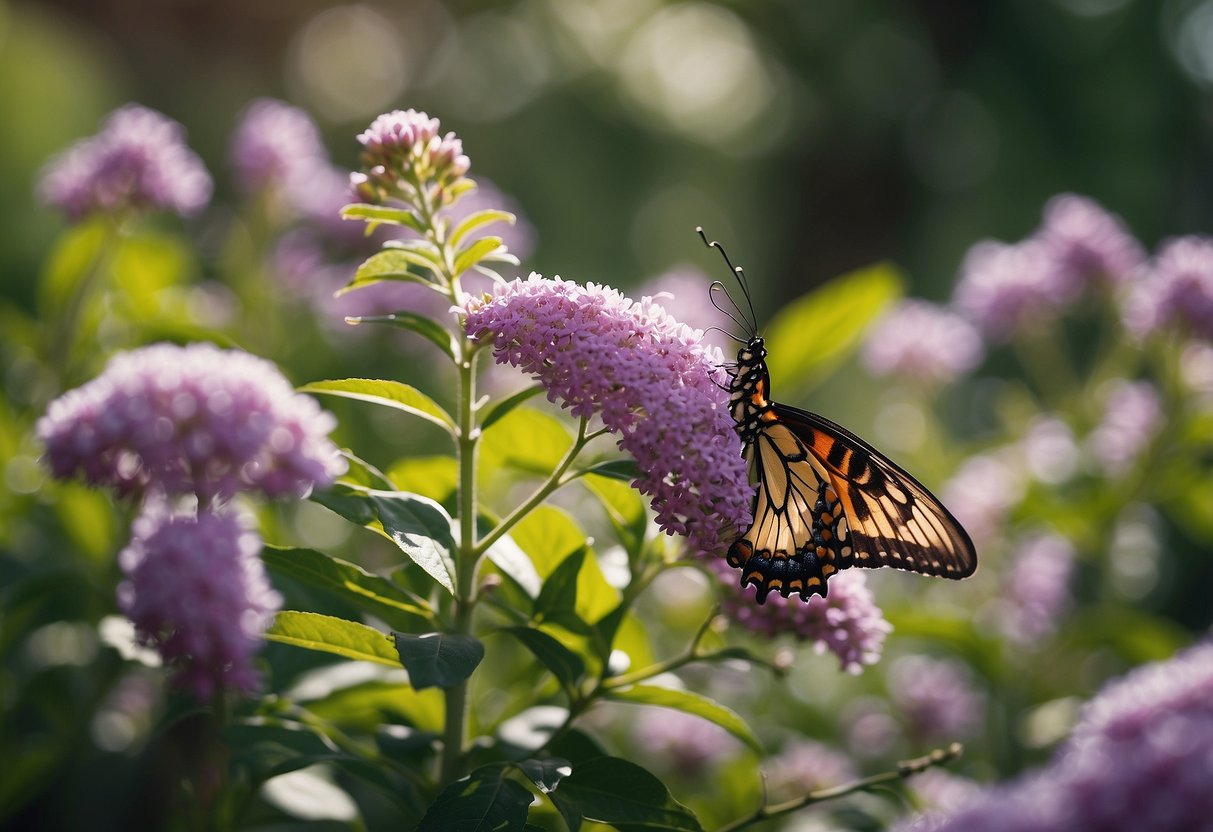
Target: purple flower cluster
{"points": [[137, 161], [1132, 417], [275, 146], [407, 145], [196, 590], [1178, 290], [1140, 758], [648, 378], [804, 766], [1037, 590], [847, 622], [923, 342], [1006, 288], [983, 490], [689, 743], [936, 698], [193, 419]]}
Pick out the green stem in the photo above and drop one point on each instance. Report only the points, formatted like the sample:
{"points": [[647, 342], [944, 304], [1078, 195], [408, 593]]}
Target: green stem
{"points": [[903, 770], [551, 484], [691, 654]]}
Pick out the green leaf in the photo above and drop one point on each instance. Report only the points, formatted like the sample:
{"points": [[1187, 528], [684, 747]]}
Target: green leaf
{"points": [[362, 473], [479, 219], [559, 591], [565, 665], [624, 470], [474, 252], [527, 440], [515, 565], [548, 536], [73, 256], [691, 703], [624, 508], [418, 526], [438, 659], [436, 477], [381, 214], [621, 793], [484, 801], [369, 593], [813, 334], [427, 328], [387, 393], [327, 634], [546, 774], [499, 409]]}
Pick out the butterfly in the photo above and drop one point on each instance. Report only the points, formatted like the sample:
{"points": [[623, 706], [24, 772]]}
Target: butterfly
{"points": [[825, 500]]}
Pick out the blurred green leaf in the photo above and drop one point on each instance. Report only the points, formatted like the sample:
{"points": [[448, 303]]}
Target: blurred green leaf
{"points": [[623, 470], [362, 473], [327, 634], [441, 660], [369, 705], [546, 774], [500, 408], [427, 328], [73, 256], [811, 335], [484, 801], [478, 219], [624, 795], [548, 536], [565, 665], [559, 591], [624, 508], [691, 703], [436, 477], [393, 394], [381, 214], [369, 593], [144, 266]]}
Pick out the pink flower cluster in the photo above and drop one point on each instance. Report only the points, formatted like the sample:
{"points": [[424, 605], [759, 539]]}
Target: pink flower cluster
{"points": [[648, 378], [407, 144], [1178, 290], [137, 161], [276, 145], [923, 342], [847, 622], [194, 419], [1037, 592], [196, 590]]}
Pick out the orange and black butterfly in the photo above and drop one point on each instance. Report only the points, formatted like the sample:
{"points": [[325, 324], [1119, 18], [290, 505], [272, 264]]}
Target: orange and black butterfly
{"points": [[825, 500]]}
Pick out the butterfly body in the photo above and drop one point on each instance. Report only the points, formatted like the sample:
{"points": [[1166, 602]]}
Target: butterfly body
{"points": [[825, 500]]}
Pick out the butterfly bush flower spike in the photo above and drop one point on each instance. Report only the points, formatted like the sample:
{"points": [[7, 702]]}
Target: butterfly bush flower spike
{"points": [[1003, 288], [1088, 245], [1138, 759], [923, 342], [137, 161], [194, 419], [647, 377], [1036, 593], [936, 697], [402, 151], [1178, 291], [197, 591], [847, 622], [276, 146]]}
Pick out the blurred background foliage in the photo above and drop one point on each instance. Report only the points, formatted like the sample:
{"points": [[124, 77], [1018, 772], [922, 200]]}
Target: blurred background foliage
{"points": [[813, 137]]}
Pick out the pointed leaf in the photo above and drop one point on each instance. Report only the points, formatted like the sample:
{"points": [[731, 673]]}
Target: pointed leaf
{"points": [[427, 328], [621, 793], [387, 393], [484, 801], [546, 774], [479, 219], [438, 659], [369, 593], [691, 703], [559, 591], [810, 336], [565, 665], [381, 214], [328, 634], [624, 470], [527, 440], [362, 473], [394, 264], [474, 252]]}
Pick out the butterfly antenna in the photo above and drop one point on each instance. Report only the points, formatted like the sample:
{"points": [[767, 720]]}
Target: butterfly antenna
{"points": [[737, 273], [724, 331], [717, 286]]}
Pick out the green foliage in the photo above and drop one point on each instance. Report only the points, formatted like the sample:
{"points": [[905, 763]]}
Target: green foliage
{"points": [[438, 659], [329, 634]]}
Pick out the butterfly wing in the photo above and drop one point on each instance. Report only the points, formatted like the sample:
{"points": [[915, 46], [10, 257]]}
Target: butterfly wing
{"points": [[893, 519]]}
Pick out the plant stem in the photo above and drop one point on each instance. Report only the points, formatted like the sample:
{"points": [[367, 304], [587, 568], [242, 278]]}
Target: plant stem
{"points": [[904, 769]]}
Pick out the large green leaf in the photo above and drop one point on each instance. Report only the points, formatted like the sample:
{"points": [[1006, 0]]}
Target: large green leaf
{"points": [[387, 393], [498, 409], [558, 595], [420, 527], [438, 659], [436, 477], [548, 536], [527, 440], [564, 664], [328, 634], [484, 801], [369, 593], [691, 703], [624, 508], [621, 793], [810, 336], [547, 773]]}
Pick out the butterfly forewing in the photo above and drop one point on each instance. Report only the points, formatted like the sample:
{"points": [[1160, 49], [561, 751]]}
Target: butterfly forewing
{"points": [[894, 520]]}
